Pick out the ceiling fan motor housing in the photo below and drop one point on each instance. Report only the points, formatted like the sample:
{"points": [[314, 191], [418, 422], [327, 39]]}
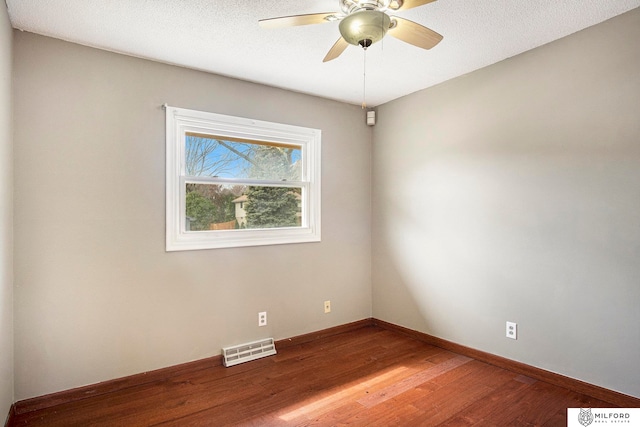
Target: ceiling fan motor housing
{"points": [[350, 6], [364, 27]]}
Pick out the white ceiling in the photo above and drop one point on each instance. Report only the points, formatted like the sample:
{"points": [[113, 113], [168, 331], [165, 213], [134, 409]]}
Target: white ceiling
{"points": [[223, 37]]}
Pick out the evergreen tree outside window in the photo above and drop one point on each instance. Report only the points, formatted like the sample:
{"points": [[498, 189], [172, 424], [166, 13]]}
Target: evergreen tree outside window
{"points": [[240, 182]]}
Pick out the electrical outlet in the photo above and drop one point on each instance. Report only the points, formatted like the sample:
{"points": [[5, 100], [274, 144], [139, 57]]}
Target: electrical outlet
{"points": [[512, 330], [262, 318], [327, 306]]}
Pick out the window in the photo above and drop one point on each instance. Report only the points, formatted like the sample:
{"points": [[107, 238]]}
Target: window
{"points": [[235, 182]]}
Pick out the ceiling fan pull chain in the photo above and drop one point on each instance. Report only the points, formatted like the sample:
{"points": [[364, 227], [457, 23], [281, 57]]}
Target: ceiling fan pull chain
{"points": [[364, 80]]}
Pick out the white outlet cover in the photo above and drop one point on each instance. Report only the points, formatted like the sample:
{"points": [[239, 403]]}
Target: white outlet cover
{"points": [[512, 330], [262, 318]]}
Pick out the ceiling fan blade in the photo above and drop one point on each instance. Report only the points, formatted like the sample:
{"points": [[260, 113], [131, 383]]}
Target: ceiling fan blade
{"points": [[295, 20], [408, 4], [336, 50], [415, 34]]}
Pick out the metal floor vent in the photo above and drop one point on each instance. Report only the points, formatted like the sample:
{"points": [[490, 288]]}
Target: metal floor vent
{"points": [[249, 351]]}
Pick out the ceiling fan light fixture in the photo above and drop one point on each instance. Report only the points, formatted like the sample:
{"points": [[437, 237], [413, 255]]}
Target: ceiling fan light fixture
{"points": [[364, 27]]}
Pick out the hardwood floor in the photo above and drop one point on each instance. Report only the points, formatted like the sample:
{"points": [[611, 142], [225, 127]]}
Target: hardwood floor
{"points": [[367, 377]]}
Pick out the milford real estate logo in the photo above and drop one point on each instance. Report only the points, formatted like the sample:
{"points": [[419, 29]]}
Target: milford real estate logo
{"points": [[585, 417]]}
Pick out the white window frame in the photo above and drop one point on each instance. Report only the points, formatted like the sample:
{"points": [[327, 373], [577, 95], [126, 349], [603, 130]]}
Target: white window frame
{"points": [[179, 121]]}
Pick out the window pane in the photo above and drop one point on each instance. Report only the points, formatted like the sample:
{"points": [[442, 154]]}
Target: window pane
{"points": [[206, 155], [231, 207], [211, 206], [273, 207]]}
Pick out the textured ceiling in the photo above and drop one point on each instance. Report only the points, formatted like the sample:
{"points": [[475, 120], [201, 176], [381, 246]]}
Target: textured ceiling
{"points": [[223, 37]]}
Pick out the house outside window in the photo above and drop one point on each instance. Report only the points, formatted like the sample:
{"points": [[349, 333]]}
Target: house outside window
{"points": [[235, 182], [241, 214]]}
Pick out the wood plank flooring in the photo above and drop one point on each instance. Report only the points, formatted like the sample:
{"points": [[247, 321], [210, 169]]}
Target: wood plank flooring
{"points": [[368, 377]]}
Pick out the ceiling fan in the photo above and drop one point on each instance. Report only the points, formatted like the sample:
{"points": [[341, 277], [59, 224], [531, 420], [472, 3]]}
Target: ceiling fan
{"points": [[364, 22]]}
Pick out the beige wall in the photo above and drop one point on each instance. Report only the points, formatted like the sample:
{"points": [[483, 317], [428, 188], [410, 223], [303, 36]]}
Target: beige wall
{"points": [[513, 194], [97, 296], [6, 217]]}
